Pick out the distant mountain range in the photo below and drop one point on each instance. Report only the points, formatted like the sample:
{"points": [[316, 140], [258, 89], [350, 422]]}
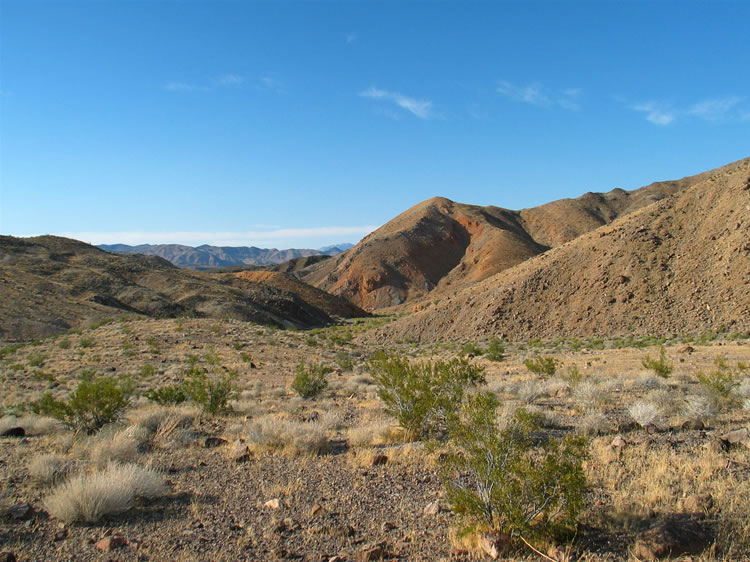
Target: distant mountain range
{"points": [[212, 257]]}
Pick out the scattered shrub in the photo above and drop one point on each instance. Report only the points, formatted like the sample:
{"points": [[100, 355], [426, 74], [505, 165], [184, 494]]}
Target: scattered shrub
{"points": [[170, 394], [471, 349], [344, 361], [573, 376], [721, 383], [36, 359], [148, 370], [542, 365], [495, 350], [93, 404], [699, 407], [504, 479], [423, 395], [89, 497], [661, 367], [310, 381], [645, 413], [86, 341], [211, 394]]}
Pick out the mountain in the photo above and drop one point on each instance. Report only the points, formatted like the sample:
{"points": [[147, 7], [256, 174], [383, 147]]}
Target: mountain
{"points": [[50, 284], [210, 257], [678, 265], [440, 246]]}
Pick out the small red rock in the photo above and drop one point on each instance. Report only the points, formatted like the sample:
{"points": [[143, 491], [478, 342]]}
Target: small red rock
{"points": [[377, 460], [110, 543]]}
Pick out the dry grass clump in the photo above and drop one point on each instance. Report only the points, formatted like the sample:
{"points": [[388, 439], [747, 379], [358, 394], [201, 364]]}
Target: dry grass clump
{"points": [[165, 427], [32, 424], [645, 413], [47, 469], [121, 447], [648, 478], [270, 434], [89, 497], [594, 423], [648, 381], [412, 454], [374, 433], [700, 407], [360, 385], [589, 395]]}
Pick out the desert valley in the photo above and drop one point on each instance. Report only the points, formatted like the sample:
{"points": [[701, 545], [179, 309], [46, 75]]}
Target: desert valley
{"points": [[565, 382]]}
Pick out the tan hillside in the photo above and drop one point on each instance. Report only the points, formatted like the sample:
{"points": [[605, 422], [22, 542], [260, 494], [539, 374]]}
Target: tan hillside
{"points": [[331, 304], [50, 284], [679, 265], [439, 245]]}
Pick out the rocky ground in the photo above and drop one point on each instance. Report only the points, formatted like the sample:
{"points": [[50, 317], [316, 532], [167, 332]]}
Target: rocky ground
{"points": [[343, 483]]}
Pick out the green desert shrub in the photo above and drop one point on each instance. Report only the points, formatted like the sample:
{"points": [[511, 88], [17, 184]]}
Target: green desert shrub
{"points": [[505, 479], [471, 349], [310, 381], [660, 366], [721, 383], [422, 396], [94, 403], [495, 350], [542, 365], [212, 394], [169, 394]]}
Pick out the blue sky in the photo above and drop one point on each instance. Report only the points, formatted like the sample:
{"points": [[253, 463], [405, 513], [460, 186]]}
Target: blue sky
{"points": [[299, 124]]}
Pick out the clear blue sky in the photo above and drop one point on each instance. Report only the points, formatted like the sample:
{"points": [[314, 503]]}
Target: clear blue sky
{"points": [[299, 124]]}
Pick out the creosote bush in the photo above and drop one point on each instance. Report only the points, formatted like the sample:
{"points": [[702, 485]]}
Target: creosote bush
{"points": [[542, 365], [660, 366], [422, 396], [310, 381], [721, 383], [212, 394], [495, 350], [503, 478], [94, 403]]}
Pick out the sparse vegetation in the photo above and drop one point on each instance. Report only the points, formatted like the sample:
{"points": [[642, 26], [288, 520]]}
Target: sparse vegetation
{"points": [[212, 394], [89, 497], [310, 381], [423, 395], [93, 404], [542, 365], [495, 350], [503, 479], [721, 383], [661, 367]]}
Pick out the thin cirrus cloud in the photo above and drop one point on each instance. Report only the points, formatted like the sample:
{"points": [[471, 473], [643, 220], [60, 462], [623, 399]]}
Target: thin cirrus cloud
{"points": [[271, 85], [419, 108], [250, 238], [713, 110], [223, 81], [536, 94], [655, 113]]}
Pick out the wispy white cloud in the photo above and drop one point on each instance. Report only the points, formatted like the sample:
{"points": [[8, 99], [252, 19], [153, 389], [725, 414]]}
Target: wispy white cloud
{"points": [[716, 109], [655, 113], [230, 80], [351, 37], [536, 94], [280, 237], [728, 108], [532, 93], [180, 87], [271, 85], [420, 108]]}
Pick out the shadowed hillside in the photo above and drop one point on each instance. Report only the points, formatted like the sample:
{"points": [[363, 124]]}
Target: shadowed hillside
{"points": [[51, 284]]}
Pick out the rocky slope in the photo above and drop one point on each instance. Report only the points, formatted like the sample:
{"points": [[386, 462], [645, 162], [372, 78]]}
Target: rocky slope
{"points": [[50, 284], [679, 265], [440, 246]]}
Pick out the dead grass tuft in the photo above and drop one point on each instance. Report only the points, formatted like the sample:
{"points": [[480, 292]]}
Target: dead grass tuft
{"points": [[89, 497]]}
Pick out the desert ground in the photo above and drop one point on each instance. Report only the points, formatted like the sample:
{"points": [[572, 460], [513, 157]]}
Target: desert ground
{"points": [[333, 477]]}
